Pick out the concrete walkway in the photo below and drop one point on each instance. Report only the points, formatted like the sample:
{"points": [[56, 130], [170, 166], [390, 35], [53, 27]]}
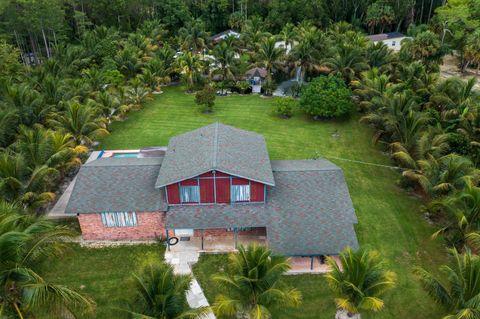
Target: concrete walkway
{"points": [[182, 262]]}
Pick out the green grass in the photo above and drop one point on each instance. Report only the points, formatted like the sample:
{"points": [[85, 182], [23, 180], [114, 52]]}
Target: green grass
{"points": [[101, 273], [389, 219]]}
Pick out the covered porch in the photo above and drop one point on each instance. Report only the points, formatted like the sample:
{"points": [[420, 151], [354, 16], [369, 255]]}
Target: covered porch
{"points": [[220, 240]]}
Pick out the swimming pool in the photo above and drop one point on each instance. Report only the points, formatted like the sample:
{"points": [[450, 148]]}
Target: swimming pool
{"points": [[125, 155]]}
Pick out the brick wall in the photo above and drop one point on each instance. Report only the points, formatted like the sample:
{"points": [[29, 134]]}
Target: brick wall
{"points": [[149, 226]]}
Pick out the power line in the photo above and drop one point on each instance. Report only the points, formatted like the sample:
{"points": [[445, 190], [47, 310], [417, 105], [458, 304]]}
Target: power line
{"points": [[365, 163]]}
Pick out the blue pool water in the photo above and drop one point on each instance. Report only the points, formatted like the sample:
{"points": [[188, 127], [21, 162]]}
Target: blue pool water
{"points": [[125, 154]]}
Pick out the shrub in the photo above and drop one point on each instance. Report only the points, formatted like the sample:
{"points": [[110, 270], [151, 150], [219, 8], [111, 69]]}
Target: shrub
{"points": [[327, 97], [285, 106], [206, 98], [268, 87]]}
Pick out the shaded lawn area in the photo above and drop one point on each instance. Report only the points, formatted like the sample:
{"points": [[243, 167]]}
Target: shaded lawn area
{"points": [[102, 273], [389, 219]]}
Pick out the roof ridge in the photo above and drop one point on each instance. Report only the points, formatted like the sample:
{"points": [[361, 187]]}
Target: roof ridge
{"points": [[215, 147]]}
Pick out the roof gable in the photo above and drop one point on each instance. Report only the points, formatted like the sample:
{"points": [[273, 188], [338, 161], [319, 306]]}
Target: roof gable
{"points": [[216, 147]]}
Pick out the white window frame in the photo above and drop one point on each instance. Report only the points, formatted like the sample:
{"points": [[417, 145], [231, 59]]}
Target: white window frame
{"points": [[244, 194], [119, 219], [196, 192]]}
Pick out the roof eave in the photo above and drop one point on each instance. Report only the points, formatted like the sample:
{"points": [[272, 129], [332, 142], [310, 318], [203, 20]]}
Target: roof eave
{"points": [[219, 170]]}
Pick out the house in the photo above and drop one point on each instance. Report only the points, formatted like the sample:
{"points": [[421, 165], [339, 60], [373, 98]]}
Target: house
{"points": [[256, 76], [216, 182], [223, 35], [393, 39]]}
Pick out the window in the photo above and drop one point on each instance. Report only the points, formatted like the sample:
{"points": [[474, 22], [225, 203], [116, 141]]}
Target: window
{"points": [[393, 43], [240, 193], [119, 219], [189, 194], [231, 229]]}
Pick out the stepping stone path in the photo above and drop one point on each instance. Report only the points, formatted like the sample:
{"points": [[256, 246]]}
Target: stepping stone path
{"points": [[182, 262]]}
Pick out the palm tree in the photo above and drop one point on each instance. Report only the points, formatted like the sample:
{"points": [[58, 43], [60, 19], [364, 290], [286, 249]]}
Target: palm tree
{"points": [[128, 62], [54, 149], [379, 55], [459, 289], [455, 99], [80, 121], [253, 285], [9, 120], [269, 56], [25, 241], [443, 175], [193, 36], [225, 57], [189, 66], [431, 143], [463, 215], [19, 183], [359, 281], [159, 293], [305, 56], [288, 35], [347, 61]]}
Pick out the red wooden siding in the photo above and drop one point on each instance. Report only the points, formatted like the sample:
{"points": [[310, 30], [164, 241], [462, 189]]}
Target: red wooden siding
{"points": [[189, 182], [257, 192], [207, 194], [223, 190], [239, 181], [216, 186], [173, 194]]}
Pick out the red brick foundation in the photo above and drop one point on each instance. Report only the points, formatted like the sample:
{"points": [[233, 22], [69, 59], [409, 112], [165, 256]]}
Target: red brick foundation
{"points": [[149, 226]]}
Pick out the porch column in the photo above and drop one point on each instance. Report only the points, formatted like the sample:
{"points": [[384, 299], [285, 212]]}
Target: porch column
{"points": [[235, 233], [168, 239], [311, 262], [202, 231]]}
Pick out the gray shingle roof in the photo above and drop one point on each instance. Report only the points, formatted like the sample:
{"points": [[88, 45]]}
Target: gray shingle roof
{"points": [[308, 212], [117, 184], [216, 147], [385, 36]]}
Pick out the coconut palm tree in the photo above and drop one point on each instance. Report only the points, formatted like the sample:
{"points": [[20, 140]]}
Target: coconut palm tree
{"points": [[193, 36], [9, 120], [462, 210], [225, 58], [80, 121], [253, 286], [359, 282], [54, 149], [189, 66], [443, 175], [347, 61], [431, 143], [269, 56], [22, 184], [458, 290], [305, 57], [159, 293], [379, 55], [25, 241]]}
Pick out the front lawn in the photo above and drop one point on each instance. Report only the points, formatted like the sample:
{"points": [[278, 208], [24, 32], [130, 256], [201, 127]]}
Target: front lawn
{"points": [[101, 273], [389, 219]]}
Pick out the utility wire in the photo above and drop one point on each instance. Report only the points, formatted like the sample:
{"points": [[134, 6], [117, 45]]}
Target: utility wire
{"points": [[365, 163]]}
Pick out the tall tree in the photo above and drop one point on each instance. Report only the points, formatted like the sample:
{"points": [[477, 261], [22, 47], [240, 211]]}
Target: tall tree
{"points": [[458, 290], [25, 241], [359, 281], [159, 293], [253, 286]]}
